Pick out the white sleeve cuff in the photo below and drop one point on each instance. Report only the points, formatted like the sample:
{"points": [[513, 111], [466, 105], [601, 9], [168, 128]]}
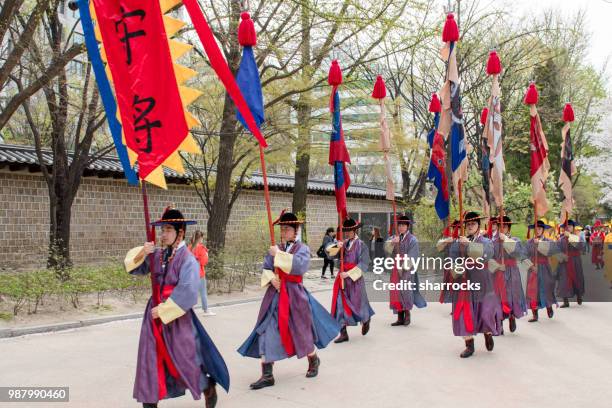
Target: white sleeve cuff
{"points": [[283, 260], [169, 311]]}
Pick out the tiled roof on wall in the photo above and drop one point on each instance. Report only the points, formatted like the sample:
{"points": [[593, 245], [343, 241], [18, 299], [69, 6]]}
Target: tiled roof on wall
{"points": [[19, 157]]}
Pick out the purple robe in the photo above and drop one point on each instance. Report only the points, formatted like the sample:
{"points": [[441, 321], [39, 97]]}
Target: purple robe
{"points": [[515, 295], [484, 304], [194, 355], [310, 324], [545, 283], [566, 287], [408, 245], [446, 295], [354, 291]]}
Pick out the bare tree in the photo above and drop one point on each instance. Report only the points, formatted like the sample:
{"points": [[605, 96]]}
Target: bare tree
{"points": [[64, 120], [21, 31]]}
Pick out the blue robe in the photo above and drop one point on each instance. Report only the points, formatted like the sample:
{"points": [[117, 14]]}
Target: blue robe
{"points": [[310, 324], [515, 295], [484, 304], [409, 245], [540, 291], [354, 291]]}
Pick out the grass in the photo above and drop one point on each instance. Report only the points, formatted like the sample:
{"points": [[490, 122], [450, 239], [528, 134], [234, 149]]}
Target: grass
{"points": [[6, 316]]}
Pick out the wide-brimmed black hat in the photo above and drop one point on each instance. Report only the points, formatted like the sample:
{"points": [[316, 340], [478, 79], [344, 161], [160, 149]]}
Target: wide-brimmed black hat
{"points": [[404, 219], [350, 225], [569, 222], [288, 218], [506, 220], [173, 217], [540, 224], [472, 216]]}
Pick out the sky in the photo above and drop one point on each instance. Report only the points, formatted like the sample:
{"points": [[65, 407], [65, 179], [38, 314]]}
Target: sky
{"points": [[599, 22]]}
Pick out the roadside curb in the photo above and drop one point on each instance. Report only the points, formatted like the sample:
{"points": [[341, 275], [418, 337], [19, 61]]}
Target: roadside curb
{"points": [[17, 332]]}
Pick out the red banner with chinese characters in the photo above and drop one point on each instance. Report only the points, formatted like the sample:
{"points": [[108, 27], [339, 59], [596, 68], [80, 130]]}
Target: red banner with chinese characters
{"points": [[146, 89]]}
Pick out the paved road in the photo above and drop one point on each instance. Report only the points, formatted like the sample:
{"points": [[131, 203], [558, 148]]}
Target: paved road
{"points": [[563, 362]]}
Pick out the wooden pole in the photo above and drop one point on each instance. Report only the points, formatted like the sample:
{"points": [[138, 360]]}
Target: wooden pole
{"points": [[394, 216], [150, 238], [535, 234], [341, 250], [461, 207], [264, 173]]}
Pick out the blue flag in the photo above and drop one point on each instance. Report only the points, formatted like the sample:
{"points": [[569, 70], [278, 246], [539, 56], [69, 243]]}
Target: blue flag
{"points": [[250, 85]]}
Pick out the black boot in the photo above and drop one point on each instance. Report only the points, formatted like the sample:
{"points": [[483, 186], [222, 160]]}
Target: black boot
{"points": [[407, 318], [365, 328], [266, 380], [550, 312], [149, 405], [401, 316], [343, 336], [313, 366], [535, 316], [512, 323], [579, 300], [469, 349], [565, 303], [210, 395], [489, 343]]}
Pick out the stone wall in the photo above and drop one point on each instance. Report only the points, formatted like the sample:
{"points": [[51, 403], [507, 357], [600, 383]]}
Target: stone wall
{"points": [[107, 216]]}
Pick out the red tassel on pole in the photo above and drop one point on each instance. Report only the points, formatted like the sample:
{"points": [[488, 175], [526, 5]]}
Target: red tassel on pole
{"points": [[484, 115], [450, 33], [435, 106], [493, 64], [568, 113], [531, 97], [246, 31], [335, 74], [380, 90]]}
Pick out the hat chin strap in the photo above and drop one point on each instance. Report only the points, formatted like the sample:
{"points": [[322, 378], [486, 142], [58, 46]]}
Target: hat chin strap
{"points": [[176, 240]]}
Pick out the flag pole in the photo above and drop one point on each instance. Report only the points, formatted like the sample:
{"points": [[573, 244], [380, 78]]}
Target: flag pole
{"points": [[535, 233], [264, 173], [461, 207], [247, 38], [341, 249], [335, 79], [150, 238]]}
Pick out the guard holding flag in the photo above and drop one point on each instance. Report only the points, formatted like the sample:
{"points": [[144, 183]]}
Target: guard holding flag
{"points": [[569, 271], [540, 282], [406, 244], [350, 303], [508, 251], [474, 311], [175, 354], [290, 322]]}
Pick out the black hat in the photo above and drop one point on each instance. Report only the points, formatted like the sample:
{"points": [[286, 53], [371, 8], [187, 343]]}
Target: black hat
{"points": [[506, 220], [173, 217], [569, 222], [540, 224], [288, 218], [350, 225], [404, 219], [472, 216]]}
